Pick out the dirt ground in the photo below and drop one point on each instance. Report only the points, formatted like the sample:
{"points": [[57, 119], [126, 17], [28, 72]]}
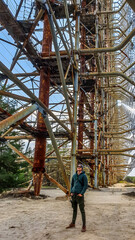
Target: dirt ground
{"points": [[110, 216]]}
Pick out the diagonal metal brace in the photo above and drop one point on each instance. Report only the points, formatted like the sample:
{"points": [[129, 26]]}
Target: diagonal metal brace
{"points": [[54, 143], [60, 67]]}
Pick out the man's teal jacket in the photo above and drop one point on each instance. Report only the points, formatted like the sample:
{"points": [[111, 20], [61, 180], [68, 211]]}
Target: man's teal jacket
{"points": [[79, 183]]}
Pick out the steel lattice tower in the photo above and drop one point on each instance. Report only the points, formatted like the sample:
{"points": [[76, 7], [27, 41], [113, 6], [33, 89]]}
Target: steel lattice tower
{"points": [[69, 66]]}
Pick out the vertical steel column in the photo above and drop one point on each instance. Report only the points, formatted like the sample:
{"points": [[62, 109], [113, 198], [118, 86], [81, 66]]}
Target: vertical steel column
{"points": [[103, 81], [96, 111], [81, 94], [92, 163], [80, 124], [103, 126], [99, 143], [107, 140], [77, 33], [108, 36], [106, 145], [40, 145], [95, 139]]}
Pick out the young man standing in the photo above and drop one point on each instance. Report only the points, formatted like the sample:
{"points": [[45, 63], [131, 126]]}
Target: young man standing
{"points": [[79, 185]]}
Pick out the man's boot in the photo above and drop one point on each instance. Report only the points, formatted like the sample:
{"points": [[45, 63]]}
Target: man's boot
{"points": [[71, 225], [83, 229]]}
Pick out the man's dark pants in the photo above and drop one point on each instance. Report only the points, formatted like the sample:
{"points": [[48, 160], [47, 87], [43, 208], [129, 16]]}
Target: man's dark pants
{"points": [[75, 201]]}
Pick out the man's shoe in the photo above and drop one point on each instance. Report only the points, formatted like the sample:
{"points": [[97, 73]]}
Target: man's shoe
{"points": [[83, 229], [71, 225]]}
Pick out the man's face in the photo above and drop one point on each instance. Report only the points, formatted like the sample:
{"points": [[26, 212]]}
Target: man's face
{"points": [[79, 169]]}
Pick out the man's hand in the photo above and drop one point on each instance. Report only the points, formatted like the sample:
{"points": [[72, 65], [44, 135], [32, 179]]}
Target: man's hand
{"points": [[79, 195], [71, 194]]}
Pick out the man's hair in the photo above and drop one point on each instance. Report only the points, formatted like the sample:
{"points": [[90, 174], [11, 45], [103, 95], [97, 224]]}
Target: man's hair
{"points": [[80, 165]]}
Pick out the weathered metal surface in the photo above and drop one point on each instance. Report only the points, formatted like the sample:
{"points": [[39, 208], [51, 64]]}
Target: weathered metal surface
{"points": [[59, 158], [16, 117], [81, 93], [59, 63], [11, 76], [15, 96], [16, 31], [31, 130], [59, 10], [92, 162], [109, 74], [111, 49], [19, 153], [56, 183], [75, 89], [8, 21], [40, 144], [100, 33], [80, 125]]}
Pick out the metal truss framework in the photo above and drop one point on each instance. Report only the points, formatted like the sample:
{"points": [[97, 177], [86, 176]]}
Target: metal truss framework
{"points": [[80, 54]]}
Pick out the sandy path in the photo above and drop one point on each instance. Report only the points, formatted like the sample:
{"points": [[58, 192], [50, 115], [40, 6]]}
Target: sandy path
{"points": [[110, 216]]}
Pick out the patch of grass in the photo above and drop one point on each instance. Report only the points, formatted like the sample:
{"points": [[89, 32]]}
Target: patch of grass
{"points": [[130, 185], [49, 187], [122, 181]]}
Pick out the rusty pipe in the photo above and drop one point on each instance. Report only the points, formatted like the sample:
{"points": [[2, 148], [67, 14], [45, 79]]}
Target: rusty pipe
{"points": [[108, 74], [110, 49], [112, 12]]}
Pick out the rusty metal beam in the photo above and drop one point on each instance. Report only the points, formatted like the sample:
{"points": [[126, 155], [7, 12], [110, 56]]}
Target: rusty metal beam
{"points": [[58, 29], [54, 143], [122, 132], [19, 153], [16, 31], [108, 74], [29, 137], [15, 96], [121, 165], [26, 41], [32, 74], [68, 23], [112, 12], [18, 9], [8, 131], [40, 144], [31, 163], [59, 63], [116, 150], [75, 78], [56, 183], [16, 117], [11, 76], [118, 86], [48, 154], [81, 92], [131, 65], [109, 49]]}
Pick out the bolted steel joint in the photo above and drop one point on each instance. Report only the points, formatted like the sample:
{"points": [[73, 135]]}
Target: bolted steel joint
{"points": [[42, 111]]}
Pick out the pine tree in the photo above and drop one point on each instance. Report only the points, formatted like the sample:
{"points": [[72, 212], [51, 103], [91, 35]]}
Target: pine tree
{"points": [[12, 172]]}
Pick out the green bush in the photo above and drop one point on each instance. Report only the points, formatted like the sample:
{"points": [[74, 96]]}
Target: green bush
{"points": [[130, 179]]}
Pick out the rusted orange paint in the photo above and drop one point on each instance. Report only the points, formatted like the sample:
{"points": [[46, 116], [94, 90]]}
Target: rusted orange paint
{"points": [[40, 145]]}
